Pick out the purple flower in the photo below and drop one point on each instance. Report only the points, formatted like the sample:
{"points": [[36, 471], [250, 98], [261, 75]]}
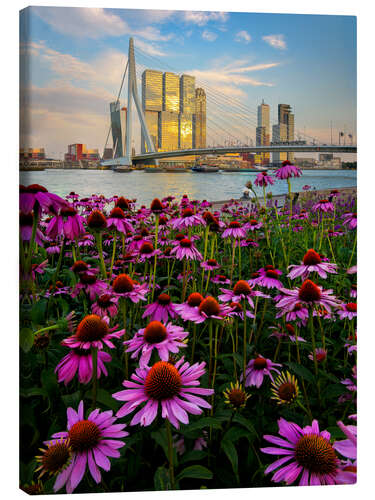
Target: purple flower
{"points": [[306, 454], [185, 249], [174, 387], [93, 331], [234, 230], [80, 360], [188, 219], [323, 206], [257, 369], [311, 262], [161, 309], [164, 338], [34, 197], [92, 441], [288, 170], [68, 223], [348, 311], [263, 179], [118, 220]]}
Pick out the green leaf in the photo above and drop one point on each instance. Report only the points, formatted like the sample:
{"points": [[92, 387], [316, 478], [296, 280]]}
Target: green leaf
{"points": [[302, 371], [195, 472], [38, 312], [161, 479], [71, 400], [26, 339], [33, 391], [193, 456], [204, 422], [103, 397], [236, 433], [230, 450], [239, 419], [333, 390]]}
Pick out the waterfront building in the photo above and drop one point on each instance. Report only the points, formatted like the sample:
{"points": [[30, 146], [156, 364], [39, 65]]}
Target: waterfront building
{"points": [[78, 151], [118, 127], [279, 135], [171, 92], [199, 119], [187, 111], [286, 117], [152, 104], [263, 130], [32, 154], [185, 131], [108, 154], [168, 127]]}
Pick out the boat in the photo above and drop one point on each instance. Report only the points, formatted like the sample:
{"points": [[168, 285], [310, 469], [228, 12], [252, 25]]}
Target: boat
{"points": [[206, 169], [153, 169], [121, 168], [176, 169]]}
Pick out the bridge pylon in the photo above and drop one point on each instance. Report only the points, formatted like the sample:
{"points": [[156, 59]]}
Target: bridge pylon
{"points": [[133, 95]]}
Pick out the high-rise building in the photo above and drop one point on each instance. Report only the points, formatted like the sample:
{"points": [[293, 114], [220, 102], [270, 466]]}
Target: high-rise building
{"points": [[118, 126], [168, 131], [187, 110], [263, 130], [199, 119], [286, 117], [171, 92], [279, 134], [152, 104]]}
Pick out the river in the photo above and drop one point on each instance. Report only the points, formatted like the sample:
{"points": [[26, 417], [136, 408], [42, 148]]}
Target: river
{"points": [[145, 186]]}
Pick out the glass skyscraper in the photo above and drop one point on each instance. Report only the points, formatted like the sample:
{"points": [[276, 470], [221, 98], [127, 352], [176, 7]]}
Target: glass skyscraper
{"points": [[118, 127], [199, 127], [152, 104], [263, 130]]}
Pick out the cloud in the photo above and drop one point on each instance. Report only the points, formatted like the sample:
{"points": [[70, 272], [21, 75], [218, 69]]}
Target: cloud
{"points": [[276, 41], [242, 36], [202, 18], [149, 48], [209, 36]]}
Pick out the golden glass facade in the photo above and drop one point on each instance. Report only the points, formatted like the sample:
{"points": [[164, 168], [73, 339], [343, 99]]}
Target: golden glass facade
{"points": [[152, 121], [185, 131], [187, 95], [168, 131], [199, 129], [171, 92], [152, 90]]}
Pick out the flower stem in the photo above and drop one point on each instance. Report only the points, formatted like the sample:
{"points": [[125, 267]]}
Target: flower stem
{"points": [[94, 353], [170, 452], [113, 254], [98, 238]]}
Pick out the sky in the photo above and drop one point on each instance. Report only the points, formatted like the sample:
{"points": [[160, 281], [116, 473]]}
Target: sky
{"points": [[72, 61]]}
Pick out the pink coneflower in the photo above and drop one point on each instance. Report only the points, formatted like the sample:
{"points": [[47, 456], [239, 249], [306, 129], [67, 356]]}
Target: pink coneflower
{"points": [[92, 441], [210, 265], [253, 225], [323, 206], [53, 249], [351, 220], [209, 308], [309, 294], [352, 270], [93, 331], [161, 309], [185, 249], [306, 187], [105, 305], [308, 453], [87, 240], [288, 170], [147, 251], [348, 310], [263, 179], [192, 304], [312, 262], [241, 291], [173, 386], [26, 229], [124, 286], [299, 311], [164, 338], [220, 279], [234, 230], [38, 268], [80, 360], [68, 223], [96, 221], [90, 285], [237, 311], [249, 242], [347, 447], [188, 219], [117, 219], [269, 277], [353, 291], [257, 369], [289, 332], [36, 196], [320, 354]]}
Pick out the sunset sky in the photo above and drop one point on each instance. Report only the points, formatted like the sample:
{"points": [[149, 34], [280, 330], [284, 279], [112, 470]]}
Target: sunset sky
{"points": [[76, 57]]}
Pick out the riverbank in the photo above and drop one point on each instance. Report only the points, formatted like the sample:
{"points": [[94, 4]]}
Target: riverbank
{"points": [[345, 192]]}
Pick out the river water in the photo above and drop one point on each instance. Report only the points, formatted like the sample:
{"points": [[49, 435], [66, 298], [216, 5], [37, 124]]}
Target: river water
{"points": [[145, 186]]}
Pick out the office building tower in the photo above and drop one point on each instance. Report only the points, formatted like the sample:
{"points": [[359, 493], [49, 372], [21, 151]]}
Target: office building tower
{"points": [[279, 135], [187, 110], [152, 104], [286, 117], [168, 131], [171, 92], [118, 126], [199, 119], [263, 130]]}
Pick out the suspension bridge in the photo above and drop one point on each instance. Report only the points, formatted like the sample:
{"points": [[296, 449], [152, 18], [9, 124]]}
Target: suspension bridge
{"points": [[230, 123]]}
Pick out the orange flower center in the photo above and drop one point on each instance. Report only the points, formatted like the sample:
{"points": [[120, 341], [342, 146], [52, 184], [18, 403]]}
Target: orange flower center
{"points": [[194, 299], [186, 243], [155, 332], [117, 213], [87, 278], [311, 258], [242, 288], [237, 398], [209, 306], [96, 220], [56, 457], [212, 262], [287, 392], [351, 307], [156, 205], [188, 212], [309, 292], [146, 248], [163, 381], [91, 328], [123, 284], [316, 454], [84, 435], [234, 224], [260, 363], [164, 299], [79, 266], [271, 273]]}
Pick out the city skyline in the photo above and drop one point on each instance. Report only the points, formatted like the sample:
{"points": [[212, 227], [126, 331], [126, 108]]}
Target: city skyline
{"points": [[68, 98]]}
